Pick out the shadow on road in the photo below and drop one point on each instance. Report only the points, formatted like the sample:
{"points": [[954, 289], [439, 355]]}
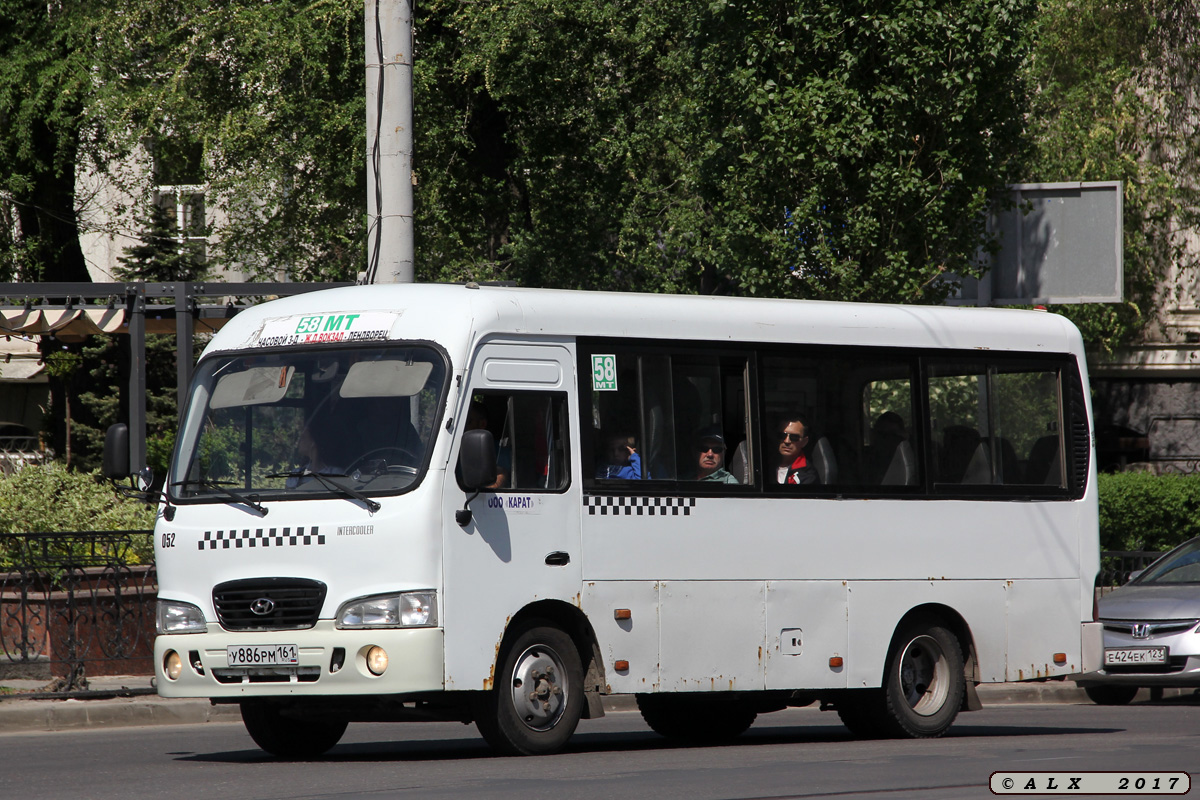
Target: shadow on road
{"points": [[433, 750]]}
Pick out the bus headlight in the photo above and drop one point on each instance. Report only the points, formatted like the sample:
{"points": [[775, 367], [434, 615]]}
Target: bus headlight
{"points": [[404, 610], [176, 617]]}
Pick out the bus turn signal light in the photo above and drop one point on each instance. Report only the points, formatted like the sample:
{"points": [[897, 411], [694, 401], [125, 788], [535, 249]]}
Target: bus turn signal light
{"points": [[621, 666], [835, 662], [1060, 658], [622, 613]]}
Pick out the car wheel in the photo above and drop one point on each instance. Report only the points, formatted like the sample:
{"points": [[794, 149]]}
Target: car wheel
{"points": [[1111, 695]]}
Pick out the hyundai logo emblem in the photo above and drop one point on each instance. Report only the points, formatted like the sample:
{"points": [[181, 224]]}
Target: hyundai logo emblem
{"points": [[262, 606]]}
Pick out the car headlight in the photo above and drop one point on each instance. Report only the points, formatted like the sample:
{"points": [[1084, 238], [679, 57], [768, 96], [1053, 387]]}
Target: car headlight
{"points": [[404, 610], [176, 617]]}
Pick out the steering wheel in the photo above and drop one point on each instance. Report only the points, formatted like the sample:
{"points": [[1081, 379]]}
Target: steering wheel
{"points": [[400, 453]]}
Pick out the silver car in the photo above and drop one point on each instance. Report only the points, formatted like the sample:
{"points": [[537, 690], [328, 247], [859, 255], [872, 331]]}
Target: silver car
{"points": [[1150, 630]]}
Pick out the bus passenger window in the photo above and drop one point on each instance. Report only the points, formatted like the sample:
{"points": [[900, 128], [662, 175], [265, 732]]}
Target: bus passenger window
{"points": [[651, 411], [996, 424]]}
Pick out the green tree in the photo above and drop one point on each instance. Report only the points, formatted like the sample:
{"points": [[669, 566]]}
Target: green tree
{"points": [[817, 149], [45, 85], [1115, 100], [267, 98]]}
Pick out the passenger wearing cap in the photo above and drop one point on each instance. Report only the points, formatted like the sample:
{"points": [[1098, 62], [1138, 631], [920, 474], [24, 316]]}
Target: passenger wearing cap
{"points": [[710, 446]]}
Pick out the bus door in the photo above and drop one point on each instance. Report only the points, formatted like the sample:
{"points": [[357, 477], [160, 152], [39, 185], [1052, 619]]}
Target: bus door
{"points": [[522, 543]]}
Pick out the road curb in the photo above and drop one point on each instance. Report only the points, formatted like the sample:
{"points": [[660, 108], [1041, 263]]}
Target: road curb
{"points": [[61, 715]]}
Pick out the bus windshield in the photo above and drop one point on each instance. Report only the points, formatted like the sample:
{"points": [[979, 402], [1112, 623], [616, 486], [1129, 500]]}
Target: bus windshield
{"points": [[309, 423]]}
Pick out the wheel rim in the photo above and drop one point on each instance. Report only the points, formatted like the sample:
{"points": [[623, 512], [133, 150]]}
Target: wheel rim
{"points": [[924, 675], [539, 687]]}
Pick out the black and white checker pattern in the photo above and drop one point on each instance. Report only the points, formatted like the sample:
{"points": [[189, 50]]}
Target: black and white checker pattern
{"points": [[261, 537], [620, 505]]}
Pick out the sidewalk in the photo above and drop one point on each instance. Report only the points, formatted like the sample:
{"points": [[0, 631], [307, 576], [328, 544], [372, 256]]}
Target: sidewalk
{"points": [[127, 701]]}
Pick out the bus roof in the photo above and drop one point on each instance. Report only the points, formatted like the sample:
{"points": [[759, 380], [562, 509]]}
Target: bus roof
{"points": [[456, 314]]}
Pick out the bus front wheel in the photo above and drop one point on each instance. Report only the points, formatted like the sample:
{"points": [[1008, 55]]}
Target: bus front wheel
{"points": [[537, 700], [287, 737]]}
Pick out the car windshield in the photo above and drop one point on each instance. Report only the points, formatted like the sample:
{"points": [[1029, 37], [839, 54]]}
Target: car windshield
{"points": [[345, 421], [1181, 565]]}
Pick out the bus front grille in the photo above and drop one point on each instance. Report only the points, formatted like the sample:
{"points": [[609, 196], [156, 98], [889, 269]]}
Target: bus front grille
{"points": [[268, 604]]}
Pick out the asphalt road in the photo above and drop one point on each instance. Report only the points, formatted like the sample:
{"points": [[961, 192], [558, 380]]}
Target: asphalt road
{"points": [[801, 753]]}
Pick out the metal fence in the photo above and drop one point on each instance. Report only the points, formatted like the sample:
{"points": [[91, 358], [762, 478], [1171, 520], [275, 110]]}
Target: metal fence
{"points": [[18, 451], [1116, 566], [73, 604]]}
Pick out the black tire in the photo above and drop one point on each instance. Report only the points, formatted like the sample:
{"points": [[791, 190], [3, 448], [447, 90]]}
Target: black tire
{"points": [[922, 691], [861, 712], [1112, 695], [697, 718], [287, 737], [538, 697]]}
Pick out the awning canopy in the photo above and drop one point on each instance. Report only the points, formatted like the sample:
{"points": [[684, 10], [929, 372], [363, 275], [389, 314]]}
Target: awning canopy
{"points": [[71, 321]]}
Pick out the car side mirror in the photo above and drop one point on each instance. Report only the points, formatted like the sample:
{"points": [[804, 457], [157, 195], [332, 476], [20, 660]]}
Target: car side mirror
{"points": [[115, 465], [477, 459]]}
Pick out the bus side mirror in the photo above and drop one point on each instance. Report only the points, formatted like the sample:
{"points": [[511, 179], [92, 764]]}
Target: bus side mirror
{"points": [[115, 465], [477, 459]]}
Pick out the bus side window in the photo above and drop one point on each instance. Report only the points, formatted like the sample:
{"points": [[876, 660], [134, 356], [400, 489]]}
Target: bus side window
{"points": [[531, 434], [996, 424]]}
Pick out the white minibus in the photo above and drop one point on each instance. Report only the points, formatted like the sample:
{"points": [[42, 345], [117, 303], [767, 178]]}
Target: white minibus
{"points": [[499, 505]]}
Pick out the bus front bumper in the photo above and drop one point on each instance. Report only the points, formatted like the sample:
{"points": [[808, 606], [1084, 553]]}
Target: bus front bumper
{"points": [[329, 662]]}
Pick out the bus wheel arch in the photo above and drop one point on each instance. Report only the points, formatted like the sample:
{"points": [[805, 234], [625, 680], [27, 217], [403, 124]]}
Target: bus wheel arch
{"points": [[936, 613]]}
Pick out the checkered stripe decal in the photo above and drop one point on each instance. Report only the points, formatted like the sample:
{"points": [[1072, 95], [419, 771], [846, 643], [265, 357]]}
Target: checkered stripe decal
{"points": [[261, 537], [639, 506]]}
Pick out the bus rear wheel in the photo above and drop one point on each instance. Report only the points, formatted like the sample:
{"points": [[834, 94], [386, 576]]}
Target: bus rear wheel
{"points": [[925, 682], [287, 737], [538, 698], [922, 690], [696, 718]]}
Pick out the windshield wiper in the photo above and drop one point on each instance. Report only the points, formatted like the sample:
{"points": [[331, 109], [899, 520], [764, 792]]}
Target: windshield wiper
{"points": [[324, 477], [246, 500]]}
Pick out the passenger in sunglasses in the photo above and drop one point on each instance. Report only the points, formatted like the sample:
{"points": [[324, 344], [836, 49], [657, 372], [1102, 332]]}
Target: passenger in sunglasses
{"points": [[710, 447], [793, 466]]}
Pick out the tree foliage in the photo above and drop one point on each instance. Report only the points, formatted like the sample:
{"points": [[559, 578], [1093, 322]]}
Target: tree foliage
{"points": [[271, 97], [807, 148], [818, 149], [45, 83], [1115, 99]]}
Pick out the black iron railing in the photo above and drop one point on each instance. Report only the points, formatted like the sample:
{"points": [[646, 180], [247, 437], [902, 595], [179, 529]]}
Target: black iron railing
{"points": [[76, 603], [1117, 566]]}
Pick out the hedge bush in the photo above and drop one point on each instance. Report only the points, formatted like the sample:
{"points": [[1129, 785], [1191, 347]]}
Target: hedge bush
{"points": [[50, 498], [1142, 511]]}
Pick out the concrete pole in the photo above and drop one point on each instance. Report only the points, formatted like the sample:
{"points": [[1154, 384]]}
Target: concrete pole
{"points": [[389, 141]]}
